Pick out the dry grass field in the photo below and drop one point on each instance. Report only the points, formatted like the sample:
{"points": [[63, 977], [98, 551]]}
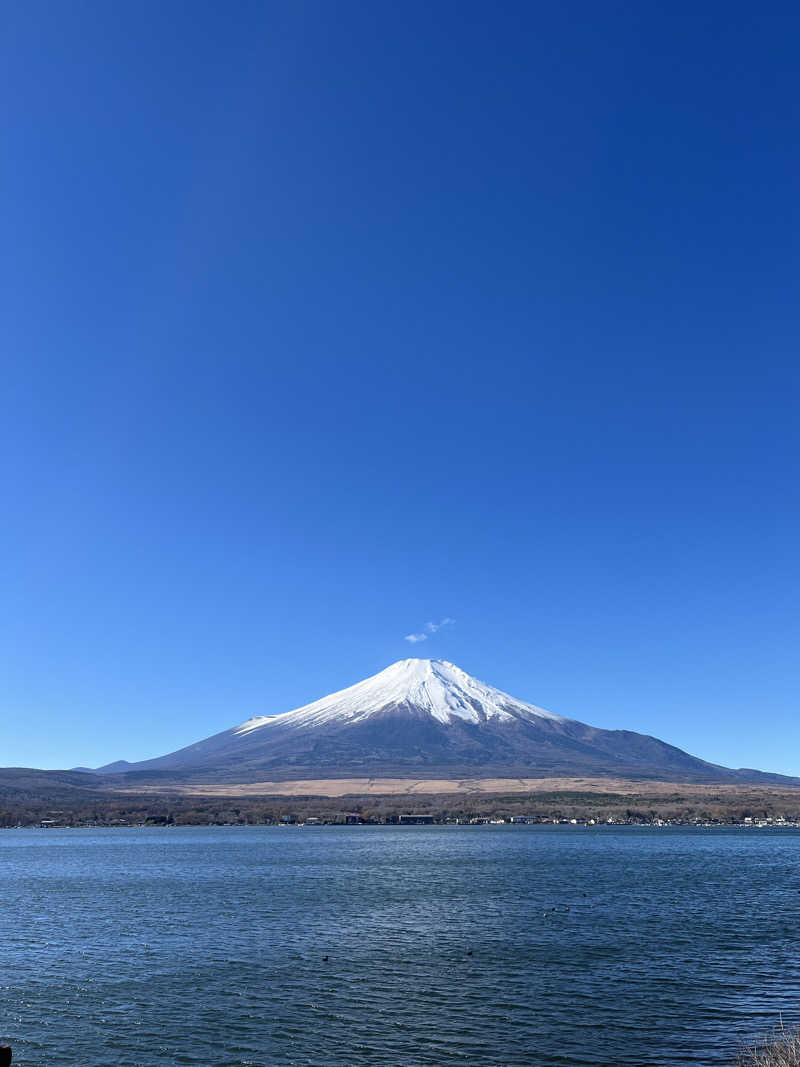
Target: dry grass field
{"points": [[364, 787]]}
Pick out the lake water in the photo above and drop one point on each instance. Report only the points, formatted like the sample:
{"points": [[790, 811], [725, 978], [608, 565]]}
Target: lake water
{"points": [[205, 946]]}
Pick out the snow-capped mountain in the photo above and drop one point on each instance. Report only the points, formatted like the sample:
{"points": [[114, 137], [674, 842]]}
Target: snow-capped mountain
{"points": [[426, 717], [433, 686]]}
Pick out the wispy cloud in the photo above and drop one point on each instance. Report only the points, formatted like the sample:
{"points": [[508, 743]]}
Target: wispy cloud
{"points": [[430, 628]]}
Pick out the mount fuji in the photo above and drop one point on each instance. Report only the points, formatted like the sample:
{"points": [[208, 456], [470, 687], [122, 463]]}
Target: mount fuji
{"points": [[426, 717]]}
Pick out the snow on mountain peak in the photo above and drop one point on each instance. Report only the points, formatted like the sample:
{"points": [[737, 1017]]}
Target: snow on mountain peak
{"points": [[435, 686]]}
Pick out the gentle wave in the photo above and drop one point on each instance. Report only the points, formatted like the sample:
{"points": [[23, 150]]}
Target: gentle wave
{"points": [[137, 948]]}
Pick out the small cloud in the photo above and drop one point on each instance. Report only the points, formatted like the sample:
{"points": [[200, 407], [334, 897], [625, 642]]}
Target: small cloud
{"points": [[430, 628]]}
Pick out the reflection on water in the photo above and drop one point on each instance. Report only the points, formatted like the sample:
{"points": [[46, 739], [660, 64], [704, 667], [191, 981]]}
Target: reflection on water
{"points": [[206, 946]]}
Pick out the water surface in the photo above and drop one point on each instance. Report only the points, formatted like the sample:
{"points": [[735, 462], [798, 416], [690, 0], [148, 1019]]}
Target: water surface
{"points": [[205, 946]]}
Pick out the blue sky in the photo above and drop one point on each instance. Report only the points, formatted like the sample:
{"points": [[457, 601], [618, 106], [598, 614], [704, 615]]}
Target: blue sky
{"points": [[325, 322]]}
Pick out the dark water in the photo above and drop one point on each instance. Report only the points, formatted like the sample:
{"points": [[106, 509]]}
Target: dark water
{"points": [[126, 947]]}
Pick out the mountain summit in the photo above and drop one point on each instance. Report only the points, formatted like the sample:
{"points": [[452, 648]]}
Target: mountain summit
{"points": [[431, 686], [426, 717]]}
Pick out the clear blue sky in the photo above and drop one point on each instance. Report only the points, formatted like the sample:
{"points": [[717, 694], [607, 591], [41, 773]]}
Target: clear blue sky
{"points": [[323, 321]]}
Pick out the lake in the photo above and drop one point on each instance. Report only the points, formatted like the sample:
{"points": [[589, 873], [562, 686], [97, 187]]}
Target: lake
{"points": [[205, 946]]}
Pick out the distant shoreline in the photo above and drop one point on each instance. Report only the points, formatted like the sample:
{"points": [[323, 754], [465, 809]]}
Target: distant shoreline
{"points": [[443, 824], [580, 802]]}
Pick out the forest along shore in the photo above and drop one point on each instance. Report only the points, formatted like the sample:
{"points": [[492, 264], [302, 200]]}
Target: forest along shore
{"points": [[637, 804]]}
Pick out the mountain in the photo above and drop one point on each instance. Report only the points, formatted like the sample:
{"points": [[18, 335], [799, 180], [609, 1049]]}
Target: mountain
{"points": [[29, 785], [426, 717]]}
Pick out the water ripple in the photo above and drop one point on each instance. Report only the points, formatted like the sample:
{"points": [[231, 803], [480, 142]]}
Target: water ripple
{"points": [[487, 947]]}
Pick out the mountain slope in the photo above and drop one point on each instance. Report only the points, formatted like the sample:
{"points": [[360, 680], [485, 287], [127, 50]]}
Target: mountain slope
{"points": [[426, 717]]}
